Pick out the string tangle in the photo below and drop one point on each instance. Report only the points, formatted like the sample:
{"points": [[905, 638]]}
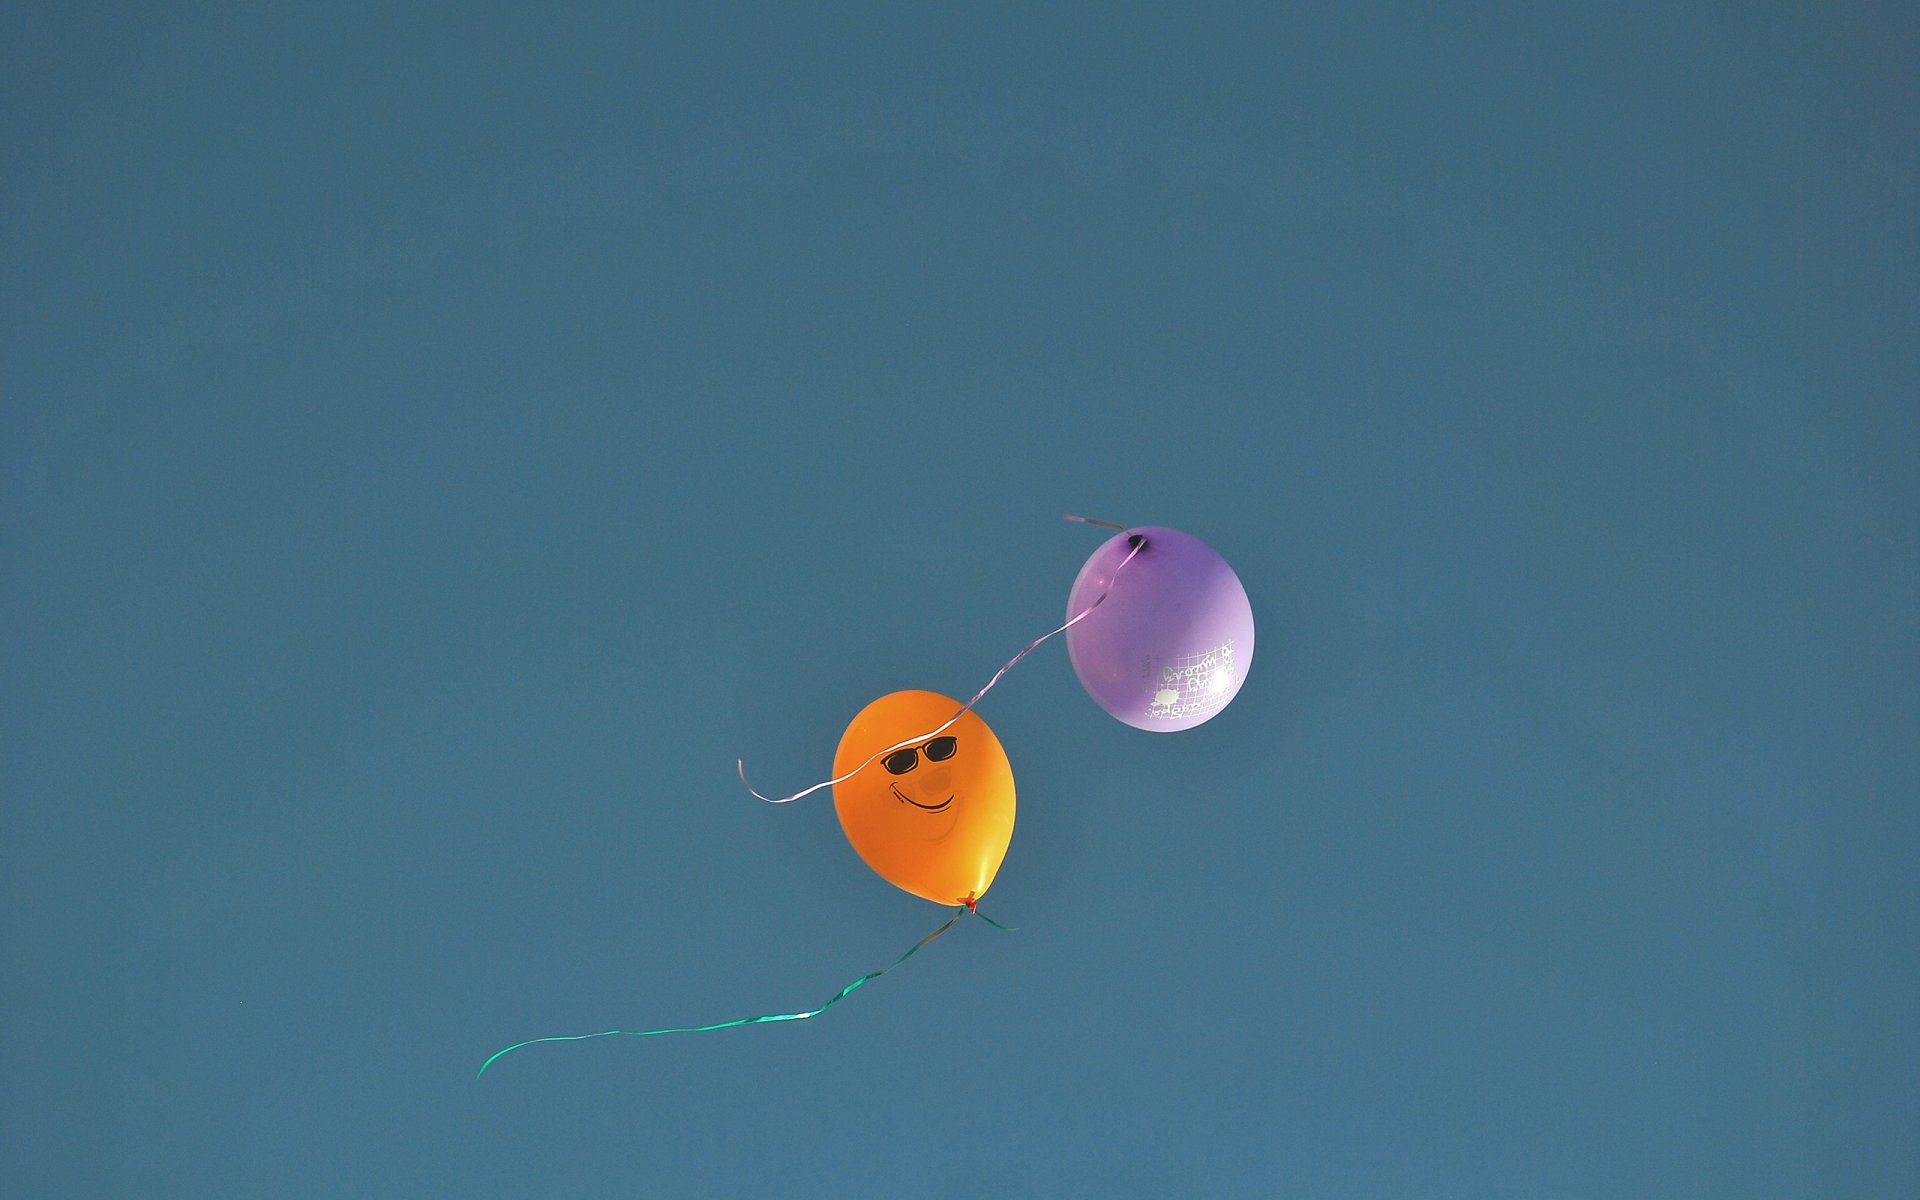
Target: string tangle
{"points": [[1137, 544]]}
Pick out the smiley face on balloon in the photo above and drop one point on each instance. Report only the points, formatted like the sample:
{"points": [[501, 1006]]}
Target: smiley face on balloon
{"points": [[904, 761], [933, 817]]}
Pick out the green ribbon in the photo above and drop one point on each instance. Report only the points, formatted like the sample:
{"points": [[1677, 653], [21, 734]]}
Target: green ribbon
{"points": [[798, 1016]]}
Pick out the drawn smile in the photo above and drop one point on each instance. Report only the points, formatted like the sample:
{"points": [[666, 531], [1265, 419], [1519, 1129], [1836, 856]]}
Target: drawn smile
{"points": [[906, 799]]}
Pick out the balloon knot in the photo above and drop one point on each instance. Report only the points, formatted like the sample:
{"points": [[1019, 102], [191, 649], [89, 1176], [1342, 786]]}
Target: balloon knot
{"points": [[972, 902]]}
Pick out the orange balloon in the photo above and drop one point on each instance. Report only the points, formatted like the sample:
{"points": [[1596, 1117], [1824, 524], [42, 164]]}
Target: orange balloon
{"points": [[934, 818]]}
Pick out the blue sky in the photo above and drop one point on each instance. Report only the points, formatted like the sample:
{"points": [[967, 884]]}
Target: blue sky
{"points": [[438, 440]]}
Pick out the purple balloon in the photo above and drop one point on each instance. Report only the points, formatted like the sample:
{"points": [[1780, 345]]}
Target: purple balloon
{"points": [[1172, 642]]}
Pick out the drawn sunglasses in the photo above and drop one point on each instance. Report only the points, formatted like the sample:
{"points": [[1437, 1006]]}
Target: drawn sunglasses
{"points": [[900, 762]]}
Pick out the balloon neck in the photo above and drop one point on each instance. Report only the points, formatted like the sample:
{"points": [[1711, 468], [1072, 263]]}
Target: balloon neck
{"points": [[1137, 542], [972, 902]]}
